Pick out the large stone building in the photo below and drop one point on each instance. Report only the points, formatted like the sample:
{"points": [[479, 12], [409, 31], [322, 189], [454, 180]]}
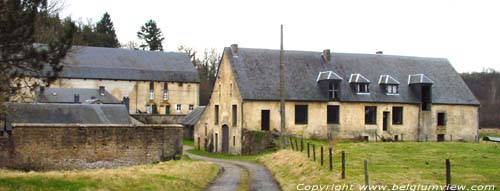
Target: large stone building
{"points": [[146, 81], [339, 95]]}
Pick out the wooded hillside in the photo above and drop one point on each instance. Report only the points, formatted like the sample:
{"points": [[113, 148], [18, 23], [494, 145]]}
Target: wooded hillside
{"points": [[486, 86]]}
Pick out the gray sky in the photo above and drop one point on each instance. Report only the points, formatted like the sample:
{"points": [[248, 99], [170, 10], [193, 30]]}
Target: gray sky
{"points": [[465, 32]]}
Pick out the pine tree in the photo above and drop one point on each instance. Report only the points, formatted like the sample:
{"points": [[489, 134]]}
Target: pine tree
{"points": [[151, 35], [106, 32]]}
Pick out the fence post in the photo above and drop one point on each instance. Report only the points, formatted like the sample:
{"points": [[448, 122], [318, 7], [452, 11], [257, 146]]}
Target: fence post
{"points": [[448, 174], [302, 144], [308, 153], [291, 143], [343, 164], [296, 145], [330, 156], [367, 183], [321, 155], [376, 137], [314, 152]]}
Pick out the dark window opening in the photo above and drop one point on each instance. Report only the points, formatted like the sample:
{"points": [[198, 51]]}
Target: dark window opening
{"points": [[265, 120], [101, 90], [216, 141], [332, 114], [216, 112], [396, 138], [235, 115], [363, 88], [365, 138], [234, 141], [167, 110], [440, 137], [301, 114], [371, 115], [426, 98], [441, 119], [397, 115]]}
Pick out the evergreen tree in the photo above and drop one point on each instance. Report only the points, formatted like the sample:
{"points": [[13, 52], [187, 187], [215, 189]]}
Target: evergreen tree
{"points": [[106, 32], [151, 35]]}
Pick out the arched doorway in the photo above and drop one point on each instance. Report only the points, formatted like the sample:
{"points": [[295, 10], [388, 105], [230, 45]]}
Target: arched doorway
{"points": [[225, 139]]}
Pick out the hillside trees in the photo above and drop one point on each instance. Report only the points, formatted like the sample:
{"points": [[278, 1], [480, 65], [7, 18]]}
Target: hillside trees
{"points": [[485, 86]]}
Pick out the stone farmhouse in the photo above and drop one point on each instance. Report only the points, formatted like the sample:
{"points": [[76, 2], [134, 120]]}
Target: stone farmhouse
{"points": [[336, 95], [149, 82]]}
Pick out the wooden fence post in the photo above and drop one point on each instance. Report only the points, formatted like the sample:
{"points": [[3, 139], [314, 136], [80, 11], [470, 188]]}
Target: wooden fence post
{"points": [[308, 153], [296, 145], [291, 143], [314, 152], [343, 164], [367, 183], [330, 156], [321, 155], [302, 145], [448, 174]]}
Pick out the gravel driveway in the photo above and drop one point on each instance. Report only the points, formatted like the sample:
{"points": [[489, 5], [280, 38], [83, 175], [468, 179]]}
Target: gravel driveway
{"points": [[229, 179]]}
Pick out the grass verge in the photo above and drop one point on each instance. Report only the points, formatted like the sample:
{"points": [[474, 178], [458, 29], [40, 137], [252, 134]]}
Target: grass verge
{"points": [[188, 142], [250, 158], [170, 175]]}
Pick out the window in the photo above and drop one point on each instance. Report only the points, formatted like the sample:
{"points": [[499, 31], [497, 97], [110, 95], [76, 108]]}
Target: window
{"points": [[151, 91], [191, 107], [441, 119], [392, 89], [235, 115], [231, 89], [370, 115], [216, 112], [333, 91], [178, 107], [300, 114], [167, 110], [332, 113], [101, 90], [397, 115], [165, 91], [363, 88]]}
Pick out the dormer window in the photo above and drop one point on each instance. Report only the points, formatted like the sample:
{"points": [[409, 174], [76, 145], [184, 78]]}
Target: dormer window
{"points": [[329, 82], [333, 90], [165, 91], [389, 84], [361, 84]]}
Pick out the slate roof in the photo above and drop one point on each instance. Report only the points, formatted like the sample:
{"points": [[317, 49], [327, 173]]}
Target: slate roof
{"points": [[67, 113], [328, 75], [388, 79], [257, 74], [419, 79], [192, 118], [124, 64], [66, 95]]}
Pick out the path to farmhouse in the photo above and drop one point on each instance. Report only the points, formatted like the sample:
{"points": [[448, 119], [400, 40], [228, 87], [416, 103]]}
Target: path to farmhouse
{"points": [[260, 178]]}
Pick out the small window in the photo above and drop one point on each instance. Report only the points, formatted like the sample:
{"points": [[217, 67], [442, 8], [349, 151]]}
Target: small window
{"points": [[333, 91], [231, 89], [165, 91], [167, 110], [191, 107], [235, 115], [178, 107], [332, 114], [397, 115], [441, 119], [363, 88], [392, 89], [371, 115], [301, 114], [151, 91], [216, 112]]}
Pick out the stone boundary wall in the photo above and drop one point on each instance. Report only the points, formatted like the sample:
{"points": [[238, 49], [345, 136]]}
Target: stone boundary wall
{"points": [[159, 119], [82, 146], [255, 142]]}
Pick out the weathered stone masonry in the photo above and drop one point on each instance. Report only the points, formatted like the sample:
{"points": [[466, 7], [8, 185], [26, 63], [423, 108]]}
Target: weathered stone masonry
{"points": [[79, 146]]}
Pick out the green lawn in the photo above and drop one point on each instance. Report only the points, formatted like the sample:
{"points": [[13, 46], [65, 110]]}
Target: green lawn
{"points": [[391, 163], [188, 142], [171, 175]]}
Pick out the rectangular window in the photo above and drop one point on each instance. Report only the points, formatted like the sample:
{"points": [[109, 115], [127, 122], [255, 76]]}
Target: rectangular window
{"points": [[370, 115], [332, 114], [151, 91], [333, 91], [441, 119], [363, 88], [391, 89], [235, 115], [167, 110], [191, 107], [216, 112], [178, 107], [165, 91], [301, 114], [231, 89], [397, 115]]}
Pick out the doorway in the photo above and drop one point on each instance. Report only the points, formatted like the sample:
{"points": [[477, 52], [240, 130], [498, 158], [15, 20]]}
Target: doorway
{"points": [[225, 139], [385, 121], [264, 120]]}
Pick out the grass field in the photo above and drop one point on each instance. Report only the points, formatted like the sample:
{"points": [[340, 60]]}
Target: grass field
{"points": [[184, 174], [391, 163]]}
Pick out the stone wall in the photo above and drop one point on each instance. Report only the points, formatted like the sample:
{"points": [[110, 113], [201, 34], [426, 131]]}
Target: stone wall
{"points": [[255, 142], [81, 146], [159, 119]]}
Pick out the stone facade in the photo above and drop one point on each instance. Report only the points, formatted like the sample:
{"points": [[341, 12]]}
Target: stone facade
{"points": [[79, 146]]}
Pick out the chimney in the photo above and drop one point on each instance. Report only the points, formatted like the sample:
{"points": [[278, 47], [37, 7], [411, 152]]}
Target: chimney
{"points": [[379, 52], [101, 90], [76, 98], [234, 49], [326, 55]]}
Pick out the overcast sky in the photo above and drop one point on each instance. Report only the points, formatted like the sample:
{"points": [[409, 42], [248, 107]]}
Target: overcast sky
{"points": [[465, 32]]}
